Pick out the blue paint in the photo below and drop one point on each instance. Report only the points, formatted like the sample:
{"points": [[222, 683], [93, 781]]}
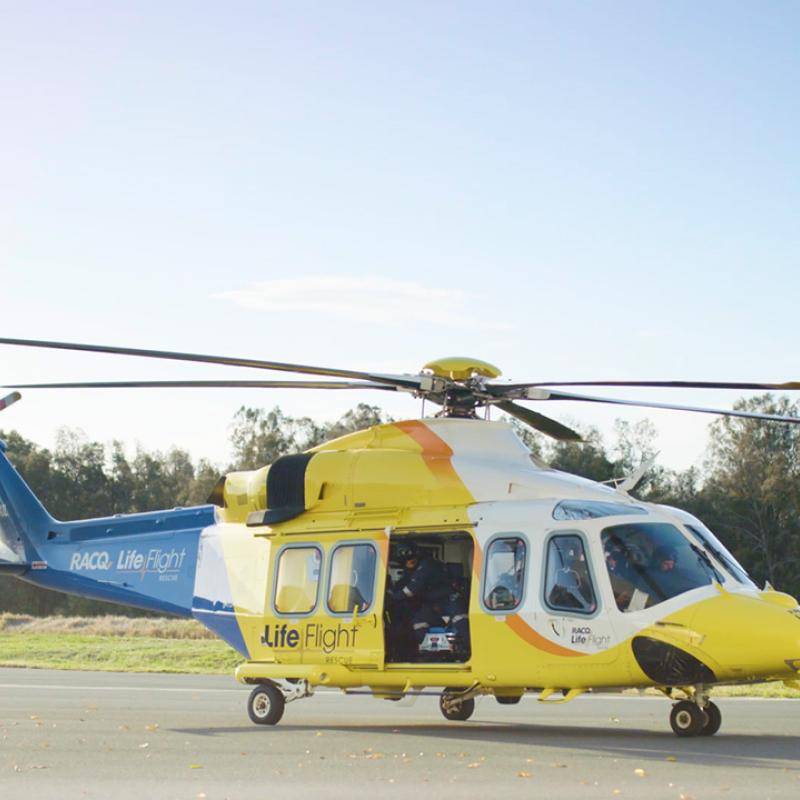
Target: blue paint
{"points": [[143, 560], [225, 625]]}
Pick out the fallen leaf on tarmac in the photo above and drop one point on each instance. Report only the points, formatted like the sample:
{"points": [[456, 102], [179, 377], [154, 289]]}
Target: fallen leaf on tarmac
{"points": [[441, 755], [34, 716], [640, 772], [319, 733], [473, 765], [145, 744], [671, 758], [380, 755], [523, 774], [195, 766], [615, 719], [151, 728], [616, 791]]}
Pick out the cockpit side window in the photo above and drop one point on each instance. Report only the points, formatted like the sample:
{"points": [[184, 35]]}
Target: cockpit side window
{"points": [[504, 580], [652, 562], [568, 582]]}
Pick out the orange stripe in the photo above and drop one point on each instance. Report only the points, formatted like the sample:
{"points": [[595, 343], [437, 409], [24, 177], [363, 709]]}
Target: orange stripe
{"points": [[437, 453], [528, 634]]}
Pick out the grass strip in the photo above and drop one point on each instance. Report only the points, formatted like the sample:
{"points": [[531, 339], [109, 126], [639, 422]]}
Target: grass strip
{"points": [[116, 653]]}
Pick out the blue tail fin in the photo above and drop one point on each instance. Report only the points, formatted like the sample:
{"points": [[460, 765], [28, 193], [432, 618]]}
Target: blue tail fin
{"points": [[24, 522]]}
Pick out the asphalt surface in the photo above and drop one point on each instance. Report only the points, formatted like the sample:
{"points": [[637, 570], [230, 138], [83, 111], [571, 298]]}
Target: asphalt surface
{"points": [[109, 735]]}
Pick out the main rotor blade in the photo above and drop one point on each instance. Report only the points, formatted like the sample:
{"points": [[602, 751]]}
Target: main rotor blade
{"points": [[206, 385], [514, 388], [408, 381], [548, 394], [540, 422]]}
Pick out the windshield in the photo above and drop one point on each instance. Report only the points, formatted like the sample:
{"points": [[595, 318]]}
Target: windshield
{"points": [[718, 550], [652, 562]]}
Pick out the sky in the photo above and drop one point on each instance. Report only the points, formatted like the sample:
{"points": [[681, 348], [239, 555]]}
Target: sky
{"points": [[570, 190]]}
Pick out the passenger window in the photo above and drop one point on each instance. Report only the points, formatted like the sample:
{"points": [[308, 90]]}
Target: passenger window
{"points": [[505, 574], [568, 584], [297, 580], [352, 578]]}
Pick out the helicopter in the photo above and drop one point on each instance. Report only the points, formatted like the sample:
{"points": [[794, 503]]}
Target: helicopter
{"points": [[545, 582]]}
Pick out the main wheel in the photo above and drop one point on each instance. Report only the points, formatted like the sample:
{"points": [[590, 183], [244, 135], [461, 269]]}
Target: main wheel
{"points": [[508, 700], [687, 719], [714, 719], [463, 711], [265, 704]]}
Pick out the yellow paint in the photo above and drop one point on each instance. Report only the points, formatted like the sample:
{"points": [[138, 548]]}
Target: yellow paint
{"points": [[460, 368], [401, 477]]}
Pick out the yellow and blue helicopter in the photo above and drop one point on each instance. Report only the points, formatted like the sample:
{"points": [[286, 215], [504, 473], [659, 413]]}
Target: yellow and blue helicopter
{"points": [[538, 580]]}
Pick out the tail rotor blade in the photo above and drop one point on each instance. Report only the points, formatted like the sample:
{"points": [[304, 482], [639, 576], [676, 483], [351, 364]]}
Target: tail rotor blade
{"points": [[9, 400]]}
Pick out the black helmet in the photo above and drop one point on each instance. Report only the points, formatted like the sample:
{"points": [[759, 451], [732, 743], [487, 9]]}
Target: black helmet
{"points": [[406, 551]]}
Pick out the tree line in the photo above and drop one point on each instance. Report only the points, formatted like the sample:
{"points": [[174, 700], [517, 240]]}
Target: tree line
{"points": [[747, 490]]}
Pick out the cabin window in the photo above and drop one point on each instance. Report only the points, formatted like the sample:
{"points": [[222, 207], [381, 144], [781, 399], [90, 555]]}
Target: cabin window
{"points": [[504, 581], [352, 579], [297, 580], [652, 562], [568, 583]]}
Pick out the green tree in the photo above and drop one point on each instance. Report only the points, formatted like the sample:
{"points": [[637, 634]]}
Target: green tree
{"points": [[752, 490]]}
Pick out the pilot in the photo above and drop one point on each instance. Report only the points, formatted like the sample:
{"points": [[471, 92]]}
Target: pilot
{"points": [[422, 588], [669, 577], [621, 585], [665, 559]]}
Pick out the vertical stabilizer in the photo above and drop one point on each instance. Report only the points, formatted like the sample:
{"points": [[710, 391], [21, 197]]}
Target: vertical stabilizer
{"points": [[24, 522]]}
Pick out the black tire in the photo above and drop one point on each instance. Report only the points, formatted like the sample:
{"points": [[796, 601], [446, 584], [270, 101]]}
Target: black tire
{"points": [[687, 719], [266, 704], [508, 700], [459, 713], [714, 719]]}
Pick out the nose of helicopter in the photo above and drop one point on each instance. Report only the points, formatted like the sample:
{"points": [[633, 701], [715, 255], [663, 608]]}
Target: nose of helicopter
{"points": [[747, 637]]}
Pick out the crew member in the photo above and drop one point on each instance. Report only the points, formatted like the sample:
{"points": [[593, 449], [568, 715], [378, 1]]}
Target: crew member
{"points": [[422, 588]]}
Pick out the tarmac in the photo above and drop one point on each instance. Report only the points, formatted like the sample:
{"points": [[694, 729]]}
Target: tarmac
{"points": [[107, 735]]}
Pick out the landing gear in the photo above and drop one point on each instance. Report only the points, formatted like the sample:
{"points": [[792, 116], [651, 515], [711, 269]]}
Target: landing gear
{"points": [[266, 704], [689, 718], [267, 701], [714, 719], [453, 707]]}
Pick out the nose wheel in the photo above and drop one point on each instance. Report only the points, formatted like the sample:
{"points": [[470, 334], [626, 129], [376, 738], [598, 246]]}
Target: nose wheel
{"points": [[688, 718]]}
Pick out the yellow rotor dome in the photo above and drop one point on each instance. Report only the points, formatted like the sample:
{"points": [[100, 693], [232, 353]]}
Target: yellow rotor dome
{"points": [[460, 368]]}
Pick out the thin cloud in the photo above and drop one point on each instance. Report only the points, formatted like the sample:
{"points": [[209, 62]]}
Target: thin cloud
{"points": [[372, 299]]}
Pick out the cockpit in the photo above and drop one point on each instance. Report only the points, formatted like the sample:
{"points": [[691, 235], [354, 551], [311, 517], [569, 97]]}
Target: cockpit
{"points": [[648, 560]]}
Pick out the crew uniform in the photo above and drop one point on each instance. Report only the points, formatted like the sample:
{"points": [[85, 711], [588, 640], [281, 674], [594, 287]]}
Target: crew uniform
{"points": [[426, 595]]}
